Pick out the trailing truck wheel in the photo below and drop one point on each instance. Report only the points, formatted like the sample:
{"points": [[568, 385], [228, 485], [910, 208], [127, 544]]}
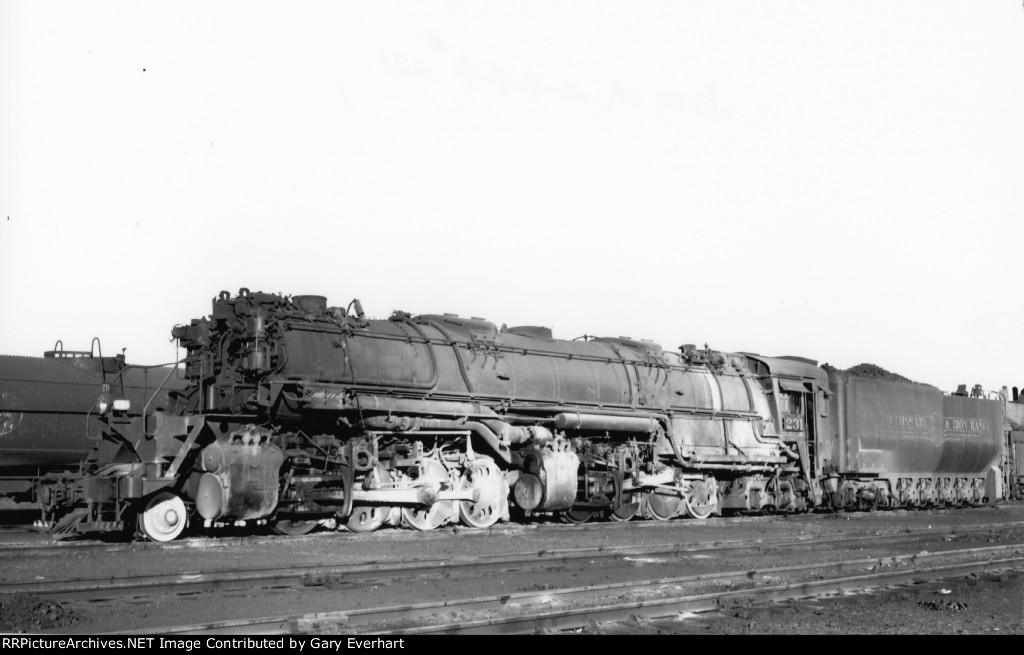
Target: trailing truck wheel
{"points": [[367, 518], [163, 518], [293, 528]]}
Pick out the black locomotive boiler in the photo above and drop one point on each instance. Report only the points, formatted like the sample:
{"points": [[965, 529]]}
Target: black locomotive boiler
{"points": [[296, 413]]}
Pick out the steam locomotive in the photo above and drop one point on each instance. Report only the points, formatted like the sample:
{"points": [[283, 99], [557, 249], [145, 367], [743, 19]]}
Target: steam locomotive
{"points": [[292, 413]]}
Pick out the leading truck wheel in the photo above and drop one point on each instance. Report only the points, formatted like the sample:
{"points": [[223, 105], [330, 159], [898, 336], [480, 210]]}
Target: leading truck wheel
{"points": [[164, 517]]}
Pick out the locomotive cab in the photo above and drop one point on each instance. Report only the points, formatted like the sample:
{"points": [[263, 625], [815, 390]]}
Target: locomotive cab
{"points": [[798, 395]]}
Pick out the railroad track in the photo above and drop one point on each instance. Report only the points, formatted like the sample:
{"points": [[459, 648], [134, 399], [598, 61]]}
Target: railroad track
{"points": [[107, 588], [673, 606], [572, 608], [222, 541]]}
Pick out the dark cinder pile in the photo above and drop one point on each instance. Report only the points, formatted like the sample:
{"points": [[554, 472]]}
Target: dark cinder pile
{"points": [[29, 613], [870, 371]]}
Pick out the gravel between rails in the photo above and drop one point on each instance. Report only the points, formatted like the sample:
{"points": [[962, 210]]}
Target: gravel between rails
{"points": [[387, 547]]}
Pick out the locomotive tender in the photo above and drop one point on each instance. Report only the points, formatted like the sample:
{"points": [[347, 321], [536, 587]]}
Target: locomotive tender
{"points": [[50, 413], [296, 413]]}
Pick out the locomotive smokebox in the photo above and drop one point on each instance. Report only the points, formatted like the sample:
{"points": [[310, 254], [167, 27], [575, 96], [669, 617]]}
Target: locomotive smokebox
{"points": [[311, 304]]}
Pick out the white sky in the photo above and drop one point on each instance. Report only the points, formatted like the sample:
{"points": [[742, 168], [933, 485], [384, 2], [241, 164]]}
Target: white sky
{"points": [[838, 180]]}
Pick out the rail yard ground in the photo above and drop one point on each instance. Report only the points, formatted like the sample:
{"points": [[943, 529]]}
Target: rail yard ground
{"points": [[973, 605], [976, 603]]}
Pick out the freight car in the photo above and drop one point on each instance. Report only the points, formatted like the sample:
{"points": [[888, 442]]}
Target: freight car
{"points": [[52, 409], [1013, 452], [297, 413]]}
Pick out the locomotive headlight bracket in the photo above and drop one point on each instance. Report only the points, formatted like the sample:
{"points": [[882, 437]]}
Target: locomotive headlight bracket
{"points": [[103, 403], [106, 402]]}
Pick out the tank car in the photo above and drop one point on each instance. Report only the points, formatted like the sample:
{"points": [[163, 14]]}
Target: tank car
{"points": [[51, 411]]}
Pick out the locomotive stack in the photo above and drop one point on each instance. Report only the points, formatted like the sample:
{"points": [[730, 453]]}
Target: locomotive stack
{"points": [[294, 414]]}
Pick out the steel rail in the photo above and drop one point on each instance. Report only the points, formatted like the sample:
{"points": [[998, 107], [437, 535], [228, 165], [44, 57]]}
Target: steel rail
{"points": [[661, 608], [212, 542], [377, 620], [316, 575]]}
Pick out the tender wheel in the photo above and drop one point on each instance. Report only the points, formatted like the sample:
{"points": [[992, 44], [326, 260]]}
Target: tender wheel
{"points": [[663, 504], [367, 518], [575, 516], [164, 517], [293, 528], [701, 500], [487, 483], [433, 473]]}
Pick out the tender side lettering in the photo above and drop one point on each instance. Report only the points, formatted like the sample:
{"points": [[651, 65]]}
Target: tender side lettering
{"points": [[916, 422], [966, 424]]}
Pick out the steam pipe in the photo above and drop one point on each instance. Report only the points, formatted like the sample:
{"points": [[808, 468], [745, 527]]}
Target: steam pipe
{"points": [[625, 367], [578, 421], [430, 349], [406, 423], [458, 354]]}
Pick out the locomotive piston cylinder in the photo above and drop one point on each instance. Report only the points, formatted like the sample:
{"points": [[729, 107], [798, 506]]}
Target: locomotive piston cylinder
{"points": [[549, 481], [240, 479]]}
